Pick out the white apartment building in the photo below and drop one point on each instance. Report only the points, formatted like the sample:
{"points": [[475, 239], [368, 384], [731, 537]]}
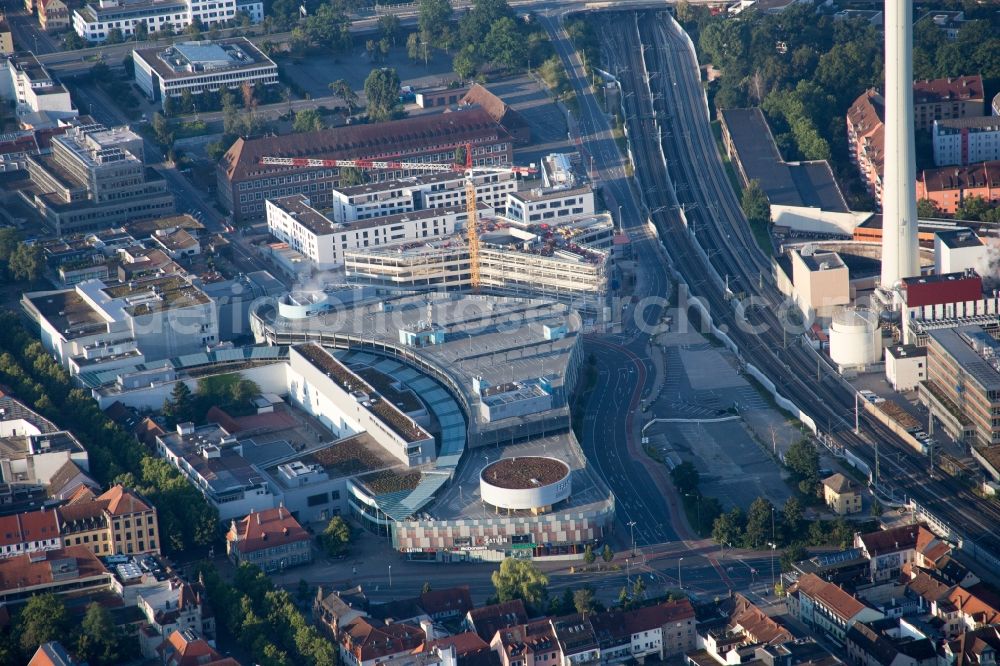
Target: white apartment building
{"points": [[293, 220], [432, 190], [541, 205], [163, 72], [41, 101], [962, 141], [94, 21], [99, 327]]}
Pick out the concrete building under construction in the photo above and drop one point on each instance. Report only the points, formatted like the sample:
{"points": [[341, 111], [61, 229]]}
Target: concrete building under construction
{"points": [[565, 260]]}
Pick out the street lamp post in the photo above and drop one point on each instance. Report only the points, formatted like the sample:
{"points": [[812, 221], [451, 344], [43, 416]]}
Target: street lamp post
{"points": [[628, 574], [631, 529], [680, 581], [773, 546], [390, 576], [621, 223]]}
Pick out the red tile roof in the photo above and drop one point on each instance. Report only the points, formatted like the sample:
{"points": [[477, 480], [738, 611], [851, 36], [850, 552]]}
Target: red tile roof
{"points": [[267, 529], [368, 639], [487, 620], [832, 597], [36, 568], [756, 624], [447, 601], [30, 526], [186, 649], [464, 643], [892, 540], [122, 501], [396, 137], [980, 175], [962, 88]]}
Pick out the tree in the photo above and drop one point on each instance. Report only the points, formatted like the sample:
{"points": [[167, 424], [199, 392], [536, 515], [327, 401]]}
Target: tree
{"points": [[44, 618], [307, 120], [464, 63], [141, 31], [728, 528], [162, 130], [382, 92], [520, 579], [73, 41], [434, 21], [389, 27], [504, 45], [10, 240], [972, 208], [796, 552], [336, 538], [802, 459], [27, 262], [759, 518], [583, 600], [755, 204], [187, 101], [588, 555], [169, 106], [791, 516], [638, 587], [99, 640], [876, 509], [476, 23], [685, 477], [342, 89], [413, 50], [180, 406], [607, 554], [927, 209], [115, 36], [426, 588]]}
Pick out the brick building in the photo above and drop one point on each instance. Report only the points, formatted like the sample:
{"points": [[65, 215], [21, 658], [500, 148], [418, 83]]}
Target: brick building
{"points": [[934, 99], [244, 184], [948, 187]]}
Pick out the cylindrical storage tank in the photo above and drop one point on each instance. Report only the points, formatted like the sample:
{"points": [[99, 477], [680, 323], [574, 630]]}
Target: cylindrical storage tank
{"points": [[529, 483], [855, 338]]}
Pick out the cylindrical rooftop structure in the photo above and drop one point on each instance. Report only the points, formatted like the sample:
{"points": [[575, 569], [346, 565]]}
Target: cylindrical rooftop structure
{"points": [[528, 483]]}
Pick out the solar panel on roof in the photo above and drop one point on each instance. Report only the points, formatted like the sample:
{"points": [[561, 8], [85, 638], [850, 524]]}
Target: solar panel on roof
{"points": [[829, 559]]}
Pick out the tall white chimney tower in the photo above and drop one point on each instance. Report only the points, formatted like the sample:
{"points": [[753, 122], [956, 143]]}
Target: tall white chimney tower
{"points": [[899, 190]]}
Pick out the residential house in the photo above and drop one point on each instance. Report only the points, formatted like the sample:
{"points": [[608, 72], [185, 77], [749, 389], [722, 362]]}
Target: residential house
{"points": [[826, 607], [488, 620], [173, 606], [117, 522], [888, 550], [957, 609], [576, 639], [972, 648], [842, 495], [889, 642], [466, 646], [272, 540], [6, 38], [185, 648], [53, 15], [367, 642], [446, 603], [338, 609], [52, 654], [529, 644], [652, 632], [31, 532]]}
